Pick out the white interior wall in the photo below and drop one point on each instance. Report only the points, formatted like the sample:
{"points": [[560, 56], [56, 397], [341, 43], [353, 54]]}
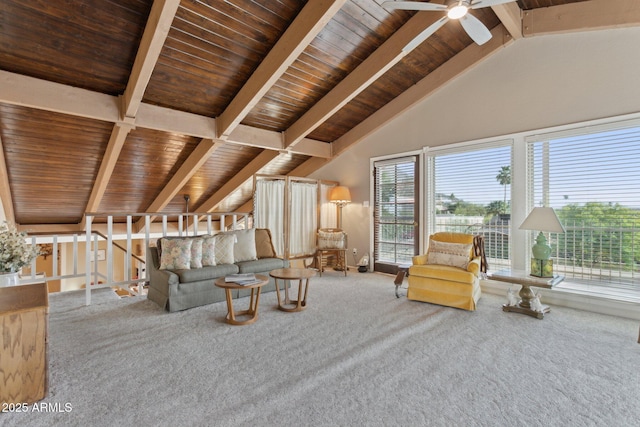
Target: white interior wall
{"points": [[534, 83]]}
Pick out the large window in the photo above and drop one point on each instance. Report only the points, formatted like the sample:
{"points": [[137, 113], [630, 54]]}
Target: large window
{"points": [[470, 192], [592, 179], [395, 214], [589, 175]]}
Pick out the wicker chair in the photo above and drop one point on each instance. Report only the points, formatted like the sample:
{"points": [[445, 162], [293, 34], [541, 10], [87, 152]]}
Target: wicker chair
{"points": [[331, 250]]}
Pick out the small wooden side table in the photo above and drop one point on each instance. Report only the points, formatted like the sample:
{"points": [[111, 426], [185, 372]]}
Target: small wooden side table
{"points": [[254, 299], [24, 370], [526, 294], [403, 270], [302, 275]]}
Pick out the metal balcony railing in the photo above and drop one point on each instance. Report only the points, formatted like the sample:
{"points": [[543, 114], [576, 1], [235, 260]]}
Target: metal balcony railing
{"points": [[495, 233], [601, 256], [607, 254]]}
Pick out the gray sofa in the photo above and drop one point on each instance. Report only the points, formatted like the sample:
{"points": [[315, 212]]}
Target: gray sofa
{"points": [[180, 289]]}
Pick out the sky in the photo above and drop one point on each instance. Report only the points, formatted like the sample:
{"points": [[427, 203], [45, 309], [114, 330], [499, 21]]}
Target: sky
{"points": [[603, 167]]}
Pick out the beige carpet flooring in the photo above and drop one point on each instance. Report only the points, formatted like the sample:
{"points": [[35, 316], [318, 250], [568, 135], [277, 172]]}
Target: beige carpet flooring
{"points": [[357, 356]]}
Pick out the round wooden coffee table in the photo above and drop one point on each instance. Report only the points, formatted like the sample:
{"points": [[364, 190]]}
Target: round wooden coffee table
{"points": [[254, 299], [302, 275]]}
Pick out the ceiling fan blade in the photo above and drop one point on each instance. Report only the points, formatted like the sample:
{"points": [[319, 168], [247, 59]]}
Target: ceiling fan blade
{"points": [[487, 3], [413, 5], [425, 34], [476, 29]]}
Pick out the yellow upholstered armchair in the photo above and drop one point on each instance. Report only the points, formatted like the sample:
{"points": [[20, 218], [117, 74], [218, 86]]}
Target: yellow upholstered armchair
{"points": [[449, 273]]}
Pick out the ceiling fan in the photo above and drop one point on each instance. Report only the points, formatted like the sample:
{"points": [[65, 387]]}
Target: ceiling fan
{"points": [[455, 9]]}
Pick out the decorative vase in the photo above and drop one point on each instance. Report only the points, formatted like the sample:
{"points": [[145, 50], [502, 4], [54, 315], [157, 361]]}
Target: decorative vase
{"points": [[541, 250], [8, 279]]}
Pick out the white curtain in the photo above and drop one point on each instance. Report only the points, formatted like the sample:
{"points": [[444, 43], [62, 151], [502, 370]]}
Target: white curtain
{"points": [[303, 218], [328, 210], [269, 210]]}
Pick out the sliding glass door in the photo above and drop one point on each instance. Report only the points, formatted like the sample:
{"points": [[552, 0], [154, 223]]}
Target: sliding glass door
{"points": [[396, 227]]}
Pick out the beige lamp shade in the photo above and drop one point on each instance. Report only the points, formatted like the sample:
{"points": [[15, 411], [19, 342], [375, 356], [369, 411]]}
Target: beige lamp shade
{"points": [[543, 219], [340, 195]]}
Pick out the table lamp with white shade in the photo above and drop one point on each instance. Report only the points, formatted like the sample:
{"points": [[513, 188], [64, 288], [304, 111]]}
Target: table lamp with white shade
{"points": [[542, 219]]}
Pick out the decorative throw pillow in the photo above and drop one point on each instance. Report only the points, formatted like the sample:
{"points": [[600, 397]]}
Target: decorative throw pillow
{"points": [[159, 247], [208, 251], [245, 248], [196, 253], [223, 248], [176, 254], [264, 244], [451, 254], [331, 239]]}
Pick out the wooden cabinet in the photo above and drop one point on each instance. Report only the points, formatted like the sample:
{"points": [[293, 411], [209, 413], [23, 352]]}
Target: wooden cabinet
{"points": [[23, 343]]}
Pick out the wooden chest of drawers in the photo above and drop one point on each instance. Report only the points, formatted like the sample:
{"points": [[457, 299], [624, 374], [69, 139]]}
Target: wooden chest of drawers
{"points": [[23, 343]]}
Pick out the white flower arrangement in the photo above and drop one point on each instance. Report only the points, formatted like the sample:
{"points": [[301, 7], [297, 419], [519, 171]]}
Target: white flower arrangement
{"points": [[15, 252]]}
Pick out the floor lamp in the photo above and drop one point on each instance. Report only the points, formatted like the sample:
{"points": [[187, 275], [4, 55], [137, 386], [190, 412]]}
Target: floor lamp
{"points": [[340, 195]]}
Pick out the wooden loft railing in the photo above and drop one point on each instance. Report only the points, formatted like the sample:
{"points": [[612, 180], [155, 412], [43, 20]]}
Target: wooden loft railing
{"points": [[119, 238]]}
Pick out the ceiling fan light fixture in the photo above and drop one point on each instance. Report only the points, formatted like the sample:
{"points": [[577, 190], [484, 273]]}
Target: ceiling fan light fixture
{"points": [[457, 11]]}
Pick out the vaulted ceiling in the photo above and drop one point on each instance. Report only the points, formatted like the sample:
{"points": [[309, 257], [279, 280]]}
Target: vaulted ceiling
{"points": [[129, 105]]}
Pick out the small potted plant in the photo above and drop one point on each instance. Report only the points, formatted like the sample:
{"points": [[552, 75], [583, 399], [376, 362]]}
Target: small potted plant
{"points": [[15, 253]]}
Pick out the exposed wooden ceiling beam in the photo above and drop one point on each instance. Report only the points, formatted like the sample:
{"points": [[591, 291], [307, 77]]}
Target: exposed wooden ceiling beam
{"points": [[459, 64], [240, 178], [40, 94], [581, 16], [510, 15], [109, 160], [196, 159], [153, 38], [385, 57], [5, 188], [50, 228], [261, 138], [309, 167], [311, 147], [309, 22], [31, 92], [247, 135], [180, 122]]}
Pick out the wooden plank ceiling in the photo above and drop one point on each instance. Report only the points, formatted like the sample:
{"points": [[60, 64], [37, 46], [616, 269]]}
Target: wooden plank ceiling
{"points": [[129, 105]]}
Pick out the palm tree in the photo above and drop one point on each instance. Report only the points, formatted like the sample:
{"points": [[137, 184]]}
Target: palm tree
{"points": [[504, 178]]}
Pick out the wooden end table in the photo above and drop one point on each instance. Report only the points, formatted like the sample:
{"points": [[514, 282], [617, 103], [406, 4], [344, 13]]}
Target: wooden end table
{"points": [[526, 294], [254, 299], [302, 275], [24, 363], [403, 270]]}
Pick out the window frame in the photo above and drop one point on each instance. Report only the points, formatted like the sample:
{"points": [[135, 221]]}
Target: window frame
{"points": [[431, 153], [416, 158], [580, 269]]}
